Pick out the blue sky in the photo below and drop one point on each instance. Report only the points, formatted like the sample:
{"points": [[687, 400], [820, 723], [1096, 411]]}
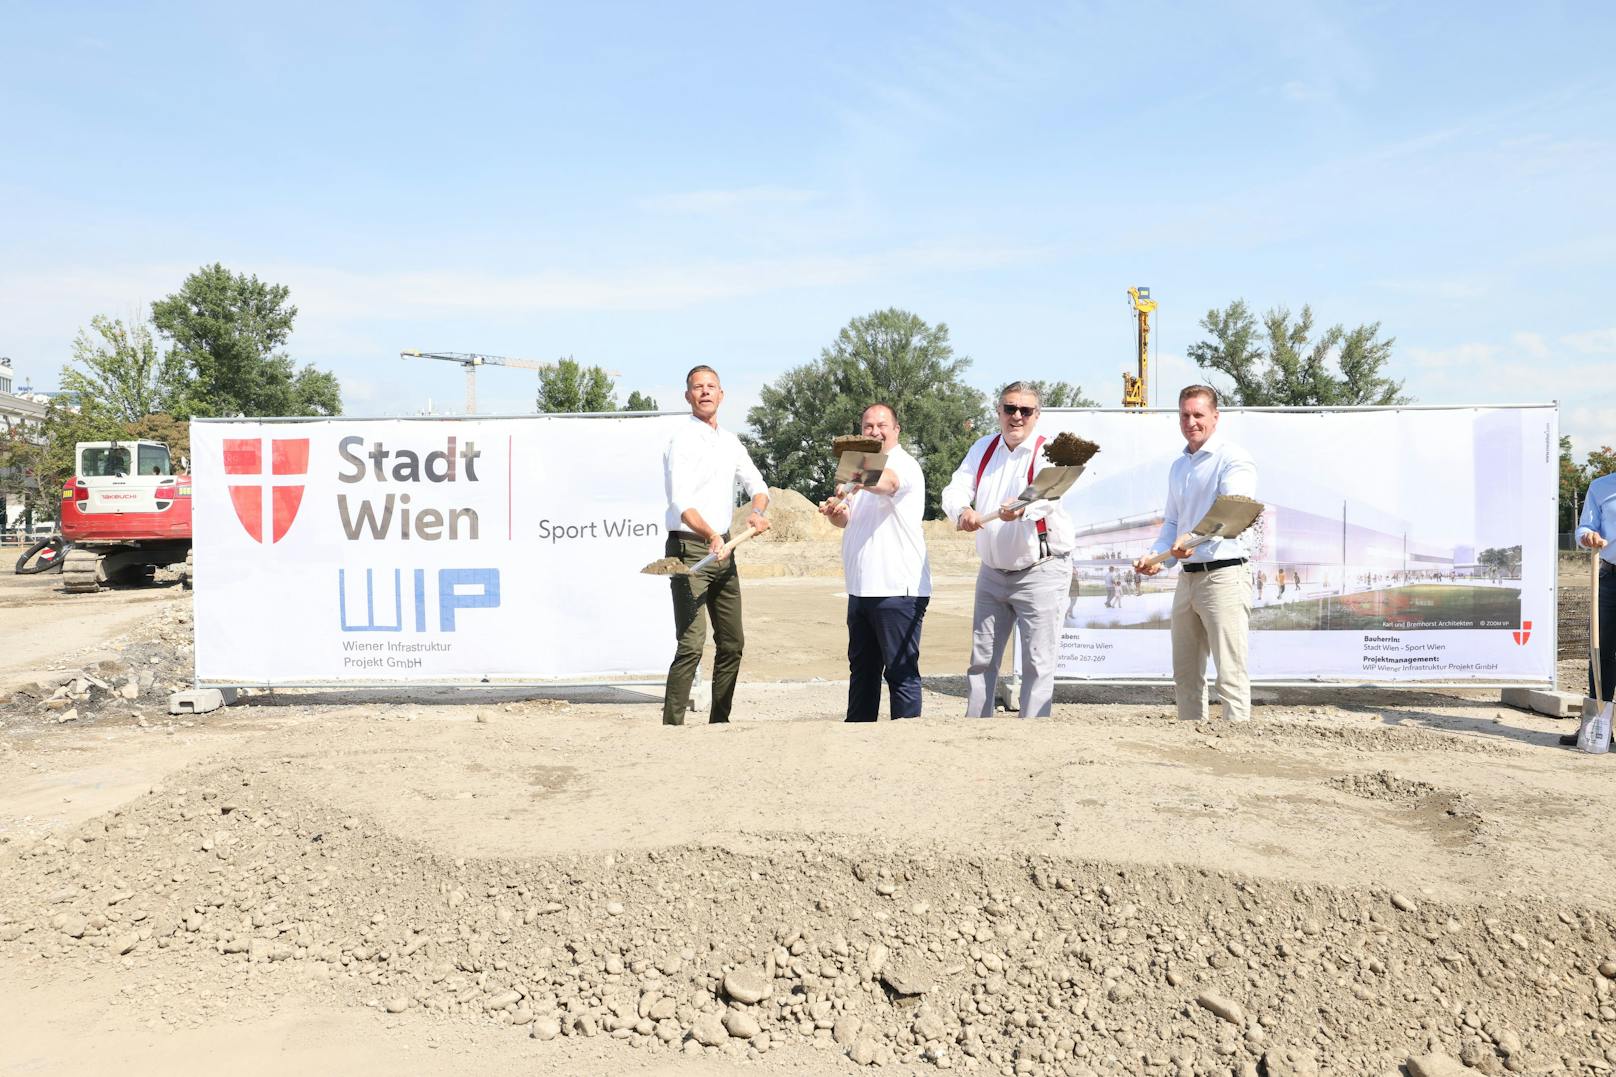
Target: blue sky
{"points": [[650, 186]]}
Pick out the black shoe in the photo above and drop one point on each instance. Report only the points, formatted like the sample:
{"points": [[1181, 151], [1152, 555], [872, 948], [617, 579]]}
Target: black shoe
{"points": [[1570, 740]]}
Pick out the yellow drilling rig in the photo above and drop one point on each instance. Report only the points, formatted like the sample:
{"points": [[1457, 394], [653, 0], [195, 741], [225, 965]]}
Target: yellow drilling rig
{"points": [[1136, 387]]}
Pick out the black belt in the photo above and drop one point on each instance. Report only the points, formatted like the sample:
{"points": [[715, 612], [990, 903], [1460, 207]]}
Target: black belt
{"points": [[1211, 566], [691, 536]]}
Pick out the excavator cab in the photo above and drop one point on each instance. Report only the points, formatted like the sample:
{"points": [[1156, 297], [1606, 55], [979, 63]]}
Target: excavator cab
{"points": [[127, 512]]}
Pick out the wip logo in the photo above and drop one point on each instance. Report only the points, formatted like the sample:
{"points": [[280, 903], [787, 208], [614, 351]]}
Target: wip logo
{"points": [[288, 463], [1523, 633]]}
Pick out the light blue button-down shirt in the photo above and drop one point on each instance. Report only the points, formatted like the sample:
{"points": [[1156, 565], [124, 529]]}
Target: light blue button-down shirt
{"points": [[1599, 514], [1193, 483]]}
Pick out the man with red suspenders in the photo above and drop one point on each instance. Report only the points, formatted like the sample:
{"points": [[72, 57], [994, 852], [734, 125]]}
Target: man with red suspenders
{"points": [[1026, 556]]}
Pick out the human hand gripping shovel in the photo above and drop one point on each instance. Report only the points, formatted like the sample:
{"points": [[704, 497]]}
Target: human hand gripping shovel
{"points": [[672, 566], [1229, 515], [1593, 736]]}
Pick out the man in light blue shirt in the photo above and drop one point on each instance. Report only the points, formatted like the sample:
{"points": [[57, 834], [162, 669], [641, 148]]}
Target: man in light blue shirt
{"points": [[1212, 601], [1596, 530]]}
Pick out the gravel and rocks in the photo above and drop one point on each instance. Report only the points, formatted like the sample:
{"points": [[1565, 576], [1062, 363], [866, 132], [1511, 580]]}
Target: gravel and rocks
{"points": [[1016, 965]]}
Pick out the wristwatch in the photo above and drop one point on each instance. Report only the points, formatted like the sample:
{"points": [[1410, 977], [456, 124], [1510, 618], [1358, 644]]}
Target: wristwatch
{"points": [[759, 512]]}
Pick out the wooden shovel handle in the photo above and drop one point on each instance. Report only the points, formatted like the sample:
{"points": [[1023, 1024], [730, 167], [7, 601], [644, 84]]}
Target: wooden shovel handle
{"points": [[749, 534], [842, 493], [728, 547], [1158, 558], [1593, 626]]}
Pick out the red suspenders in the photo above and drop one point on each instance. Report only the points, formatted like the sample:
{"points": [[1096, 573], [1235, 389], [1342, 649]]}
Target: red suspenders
{"points": [[982, 468]]}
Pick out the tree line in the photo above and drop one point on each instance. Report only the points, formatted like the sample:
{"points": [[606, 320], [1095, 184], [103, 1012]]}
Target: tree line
{"points": [[895, 356], [217, 347]]}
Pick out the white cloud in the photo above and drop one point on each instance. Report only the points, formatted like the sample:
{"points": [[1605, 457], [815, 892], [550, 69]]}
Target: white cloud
{"points": [[1532, 345], [1460, 355], [1592, 342], [1452, 289], [336, 293]]}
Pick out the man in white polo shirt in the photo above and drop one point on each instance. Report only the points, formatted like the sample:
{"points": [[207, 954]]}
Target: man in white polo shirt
{"points": [[1212, 601], [1026, 572], [888, 577], [701, 466]]}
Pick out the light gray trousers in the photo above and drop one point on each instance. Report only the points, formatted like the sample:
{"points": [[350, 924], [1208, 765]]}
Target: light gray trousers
{"points": [[1033, 601]]}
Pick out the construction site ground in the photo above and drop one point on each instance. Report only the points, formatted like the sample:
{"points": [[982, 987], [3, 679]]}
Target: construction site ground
{"points": [[437, 881]]}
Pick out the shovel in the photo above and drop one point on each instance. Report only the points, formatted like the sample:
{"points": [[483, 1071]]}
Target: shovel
{"points": [[1049, 483], [1229, 515], [859, 464], [1593, 736], [672, 566], [1068, 454]]}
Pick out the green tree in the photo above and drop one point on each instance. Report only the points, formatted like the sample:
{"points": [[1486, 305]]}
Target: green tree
{"points": [[638, 401], [1056, 394], [1278, 364], [24, 469], [568, 387], [1574, 481], [68, 422], [229, 331], [1601, 461], [116, 369], [890, 355]]}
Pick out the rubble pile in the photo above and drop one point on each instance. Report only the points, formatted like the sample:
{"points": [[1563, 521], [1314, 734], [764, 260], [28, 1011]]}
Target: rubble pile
{"points": [[130, 680], [226, 888]]}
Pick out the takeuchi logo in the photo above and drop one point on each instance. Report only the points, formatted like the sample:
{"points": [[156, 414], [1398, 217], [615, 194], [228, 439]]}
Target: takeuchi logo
{"points": [[244, 460], [1523, 633]]}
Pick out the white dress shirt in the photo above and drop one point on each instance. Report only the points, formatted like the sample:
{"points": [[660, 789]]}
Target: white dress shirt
{"points": [[700, 467], [1193, 483], [1599, 514], [883, 546], [1013, 544]]}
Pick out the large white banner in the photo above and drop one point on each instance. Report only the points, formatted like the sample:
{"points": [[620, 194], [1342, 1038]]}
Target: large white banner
{"points": [[1412, 544], [445, 550]]}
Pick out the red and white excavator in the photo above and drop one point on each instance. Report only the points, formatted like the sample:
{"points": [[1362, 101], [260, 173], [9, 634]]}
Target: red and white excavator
{"points": [[126, 512]]}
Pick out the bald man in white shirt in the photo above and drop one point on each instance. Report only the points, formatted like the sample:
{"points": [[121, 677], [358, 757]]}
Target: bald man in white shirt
{"points": [[1212, 602], [1026, 572], [888, 577], [701, 466]]}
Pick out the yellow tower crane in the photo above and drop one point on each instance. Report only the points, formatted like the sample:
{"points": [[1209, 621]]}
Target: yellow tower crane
{"points": [[1136, 387]]}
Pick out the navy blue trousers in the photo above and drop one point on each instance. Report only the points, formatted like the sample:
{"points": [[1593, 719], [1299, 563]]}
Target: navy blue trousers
{"points": [[883, 642], [1607, 635]]}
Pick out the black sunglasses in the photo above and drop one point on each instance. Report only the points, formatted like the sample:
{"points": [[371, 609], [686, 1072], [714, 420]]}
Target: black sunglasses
{"points": [[1026, 413]]}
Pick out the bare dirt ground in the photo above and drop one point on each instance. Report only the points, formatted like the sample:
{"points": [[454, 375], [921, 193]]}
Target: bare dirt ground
{"points": [[1356, 882]]}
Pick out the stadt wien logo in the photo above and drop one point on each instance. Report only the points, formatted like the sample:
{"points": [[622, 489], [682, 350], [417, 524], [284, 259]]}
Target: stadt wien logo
{"points": [[1523, 633], [281, 484]]}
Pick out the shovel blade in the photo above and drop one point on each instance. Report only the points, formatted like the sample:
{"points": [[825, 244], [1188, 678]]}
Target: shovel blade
{"points": [[1049, 483], [1229, 515], [1593, 736], [863, 468]]}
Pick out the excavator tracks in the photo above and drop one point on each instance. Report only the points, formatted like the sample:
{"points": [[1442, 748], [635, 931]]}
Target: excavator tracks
{"points": [[81, 572]]}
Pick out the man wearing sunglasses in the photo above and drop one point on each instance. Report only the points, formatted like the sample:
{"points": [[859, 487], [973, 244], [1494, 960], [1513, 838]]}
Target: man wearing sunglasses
{"points": [[1026, 556]]}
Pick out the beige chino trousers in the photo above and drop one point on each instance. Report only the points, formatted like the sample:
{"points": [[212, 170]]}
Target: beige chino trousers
{"points": [[1212, 615]]}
